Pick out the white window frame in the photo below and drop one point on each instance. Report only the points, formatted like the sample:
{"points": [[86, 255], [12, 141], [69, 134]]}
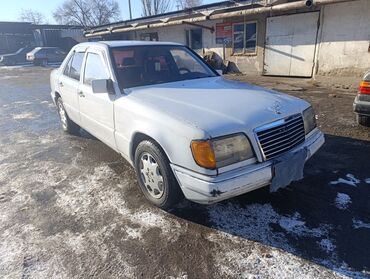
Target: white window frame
{"points": [[244, 52]]}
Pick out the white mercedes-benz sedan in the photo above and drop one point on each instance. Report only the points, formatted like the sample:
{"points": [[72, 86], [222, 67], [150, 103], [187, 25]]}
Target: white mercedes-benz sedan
{"points": [[185, 129]]}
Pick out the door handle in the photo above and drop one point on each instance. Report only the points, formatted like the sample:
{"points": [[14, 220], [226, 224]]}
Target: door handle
{"points": [[61, 84], [81, 94]]}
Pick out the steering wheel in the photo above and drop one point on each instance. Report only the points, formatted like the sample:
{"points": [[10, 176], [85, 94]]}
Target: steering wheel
{"points": [[184, 69]]}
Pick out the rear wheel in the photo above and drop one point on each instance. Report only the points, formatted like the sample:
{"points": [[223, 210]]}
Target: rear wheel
{"points": [[156, 179], [363, 120], [68, 125]]}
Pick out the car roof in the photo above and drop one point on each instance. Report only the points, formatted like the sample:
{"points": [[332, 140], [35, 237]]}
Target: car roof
{"points": [[126, 43]]}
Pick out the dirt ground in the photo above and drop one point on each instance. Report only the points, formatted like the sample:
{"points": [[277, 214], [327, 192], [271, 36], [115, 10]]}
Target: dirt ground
{"points": [[70, 207]]}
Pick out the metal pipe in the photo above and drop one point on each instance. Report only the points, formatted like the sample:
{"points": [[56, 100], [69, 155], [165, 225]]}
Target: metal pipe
{"points": [[243, 12], [129, 8]]}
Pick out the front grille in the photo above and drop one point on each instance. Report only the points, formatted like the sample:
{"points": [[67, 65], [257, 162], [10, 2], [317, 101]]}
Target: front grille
{"points": [[281, 136]]}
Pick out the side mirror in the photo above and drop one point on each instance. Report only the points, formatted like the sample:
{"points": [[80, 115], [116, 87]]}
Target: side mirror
{"points": [[219, 72], [103, 86]]}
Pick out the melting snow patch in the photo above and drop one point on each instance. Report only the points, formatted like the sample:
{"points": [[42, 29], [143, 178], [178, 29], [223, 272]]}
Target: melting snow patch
{"points": [[342, 201], [357, 224], [252, 222], [327, 245], [350, 180], [298, 227], [8, 77], [255, 220], [25, 115], [149, 219]]}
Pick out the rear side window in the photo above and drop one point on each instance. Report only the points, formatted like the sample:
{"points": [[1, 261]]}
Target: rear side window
{"points": [[68, 67], [76, 65], [95, 68]]}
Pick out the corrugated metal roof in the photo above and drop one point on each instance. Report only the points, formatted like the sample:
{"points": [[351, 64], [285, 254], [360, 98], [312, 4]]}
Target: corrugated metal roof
{"points": [[183, 14]]}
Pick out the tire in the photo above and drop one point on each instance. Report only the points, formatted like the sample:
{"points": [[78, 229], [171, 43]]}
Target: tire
{"points": [[44, 63], [152, 164], [363, 120], [68, 125], [10, 63]]}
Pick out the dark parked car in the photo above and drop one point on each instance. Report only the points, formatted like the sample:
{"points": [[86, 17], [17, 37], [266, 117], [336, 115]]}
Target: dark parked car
{"points": [[15, 58], [361, 104], [44, 55]]}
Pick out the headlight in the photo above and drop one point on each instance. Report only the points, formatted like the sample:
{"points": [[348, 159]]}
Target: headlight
{"points": [[309, 119], [220, 152]]}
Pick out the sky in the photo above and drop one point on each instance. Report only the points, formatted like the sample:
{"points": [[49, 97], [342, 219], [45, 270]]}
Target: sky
{"points": [[10, 10]]}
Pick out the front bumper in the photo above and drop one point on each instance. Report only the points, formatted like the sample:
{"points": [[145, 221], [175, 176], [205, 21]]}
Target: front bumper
{"points": [[361, 107], [210, 189]]}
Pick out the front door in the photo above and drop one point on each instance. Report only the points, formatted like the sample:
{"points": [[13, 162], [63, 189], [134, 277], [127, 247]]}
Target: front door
{"points": [[96, 109]]}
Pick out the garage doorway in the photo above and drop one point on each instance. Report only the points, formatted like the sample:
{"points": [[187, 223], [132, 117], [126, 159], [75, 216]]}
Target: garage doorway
{"points": [[290, 45]]}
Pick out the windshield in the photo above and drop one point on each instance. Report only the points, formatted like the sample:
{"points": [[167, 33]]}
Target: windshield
{"points": [[147, 65]]}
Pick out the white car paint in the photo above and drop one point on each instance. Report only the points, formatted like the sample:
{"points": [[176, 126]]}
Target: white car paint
{"points": [[176, 113]]}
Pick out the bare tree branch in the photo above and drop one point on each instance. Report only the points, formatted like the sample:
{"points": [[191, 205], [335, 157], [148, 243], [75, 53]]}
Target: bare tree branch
{"points": [[186, 4], [29, 15], [155, 7], [87, 13]]}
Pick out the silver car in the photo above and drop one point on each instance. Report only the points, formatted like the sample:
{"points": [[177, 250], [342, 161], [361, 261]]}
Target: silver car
{"points": [[185, 129]]}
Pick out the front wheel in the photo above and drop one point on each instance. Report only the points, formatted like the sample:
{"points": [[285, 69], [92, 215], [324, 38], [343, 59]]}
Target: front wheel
{"points": [[156, 179], [68, 125]]}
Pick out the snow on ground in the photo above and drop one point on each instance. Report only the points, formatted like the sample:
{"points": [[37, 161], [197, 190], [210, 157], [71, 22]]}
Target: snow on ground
{"points": [[327, 245], [254, 222], [342, 201], [349, 180], [239, 258], [260, 223], [81, 198], [295, 226], [357, 224], [25, 115], [8, 77]]}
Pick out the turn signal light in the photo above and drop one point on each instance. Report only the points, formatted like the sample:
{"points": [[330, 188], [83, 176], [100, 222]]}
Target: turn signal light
{"points": [[365, 87], [203, 154]]}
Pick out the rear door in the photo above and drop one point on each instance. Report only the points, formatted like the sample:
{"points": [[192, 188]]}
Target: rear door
{"points": [[69, 83], [96, 109]]}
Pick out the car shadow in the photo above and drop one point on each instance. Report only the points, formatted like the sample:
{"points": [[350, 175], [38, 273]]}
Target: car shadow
{"points": [[325, 218]]}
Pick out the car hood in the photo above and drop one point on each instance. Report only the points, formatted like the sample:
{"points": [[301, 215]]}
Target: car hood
{"points": [[218, 106]]}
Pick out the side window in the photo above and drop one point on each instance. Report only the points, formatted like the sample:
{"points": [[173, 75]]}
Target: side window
{"points": [[76, 65], [185, 62], [238, 38], [245, 38], [194, 38], [94, 69], [68, 67]]}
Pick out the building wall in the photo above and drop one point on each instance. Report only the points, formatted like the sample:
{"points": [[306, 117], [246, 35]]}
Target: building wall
{"points": [[343, 43], [176, 34], [250, 64], [344, 47]]}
